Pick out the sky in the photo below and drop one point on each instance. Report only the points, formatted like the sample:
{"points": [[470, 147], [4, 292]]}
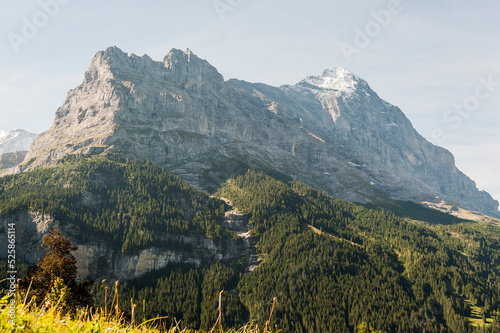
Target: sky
{"points": [[439, 61]]}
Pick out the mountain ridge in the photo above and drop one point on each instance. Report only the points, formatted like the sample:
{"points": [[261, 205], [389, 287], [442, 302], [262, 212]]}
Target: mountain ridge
{"points": [[331, 131]]}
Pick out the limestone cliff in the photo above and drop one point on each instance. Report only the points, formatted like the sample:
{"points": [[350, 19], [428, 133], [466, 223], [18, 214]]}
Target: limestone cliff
{"points": [[330, 131], [99, 260]]}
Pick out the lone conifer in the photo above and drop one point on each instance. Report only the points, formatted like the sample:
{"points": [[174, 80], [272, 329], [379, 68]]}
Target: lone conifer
{"points": [[54, 277]]}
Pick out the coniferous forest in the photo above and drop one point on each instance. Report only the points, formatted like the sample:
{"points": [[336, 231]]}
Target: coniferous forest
{"points": [[330, 265]]}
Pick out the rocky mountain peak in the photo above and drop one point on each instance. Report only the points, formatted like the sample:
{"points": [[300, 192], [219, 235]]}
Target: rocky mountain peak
{"points": [[190, 70], [178, 56], [112, 63], [113, 53], [182, 68]]}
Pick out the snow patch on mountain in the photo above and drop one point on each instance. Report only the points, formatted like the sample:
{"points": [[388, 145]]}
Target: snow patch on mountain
{"points": [[338, 78], [15, 140]]}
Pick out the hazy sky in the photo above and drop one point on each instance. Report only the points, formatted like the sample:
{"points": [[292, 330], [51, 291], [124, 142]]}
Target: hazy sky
{"points": [[439, 60]]}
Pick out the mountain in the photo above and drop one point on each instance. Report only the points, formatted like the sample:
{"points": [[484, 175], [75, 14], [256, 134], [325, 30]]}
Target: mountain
{"points": [[15, 140], [331, 131], [116, 174], [13, 147]]}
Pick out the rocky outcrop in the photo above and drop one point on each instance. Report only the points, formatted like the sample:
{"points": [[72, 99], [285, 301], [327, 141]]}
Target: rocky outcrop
{"points": [[330, 131], [9, 160], [29, 228], [98, 260], [238, 223]]}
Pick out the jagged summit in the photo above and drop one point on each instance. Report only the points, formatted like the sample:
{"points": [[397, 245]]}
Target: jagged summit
{"points": [[176, 55], [330, 131], [186, 67], [179, 67]]}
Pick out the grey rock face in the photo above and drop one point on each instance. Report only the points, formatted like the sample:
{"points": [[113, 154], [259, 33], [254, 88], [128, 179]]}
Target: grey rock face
{"points": [[97, 260], [9, 160], [331, 131], [29, 230]]}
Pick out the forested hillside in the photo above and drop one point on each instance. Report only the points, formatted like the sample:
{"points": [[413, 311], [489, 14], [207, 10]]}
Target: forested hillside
{"points": [[330, 264], [127, 204], [333, 264]]}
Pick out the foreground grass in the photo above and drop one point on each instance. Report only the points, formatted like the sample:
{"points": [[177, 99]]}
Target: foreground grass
{"points": [[50, 320]]}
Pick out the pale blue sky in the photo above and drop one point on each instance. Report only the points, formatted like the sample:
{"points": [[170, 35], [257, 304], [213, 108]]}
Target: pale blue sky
{"points": [[425, 58]]}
